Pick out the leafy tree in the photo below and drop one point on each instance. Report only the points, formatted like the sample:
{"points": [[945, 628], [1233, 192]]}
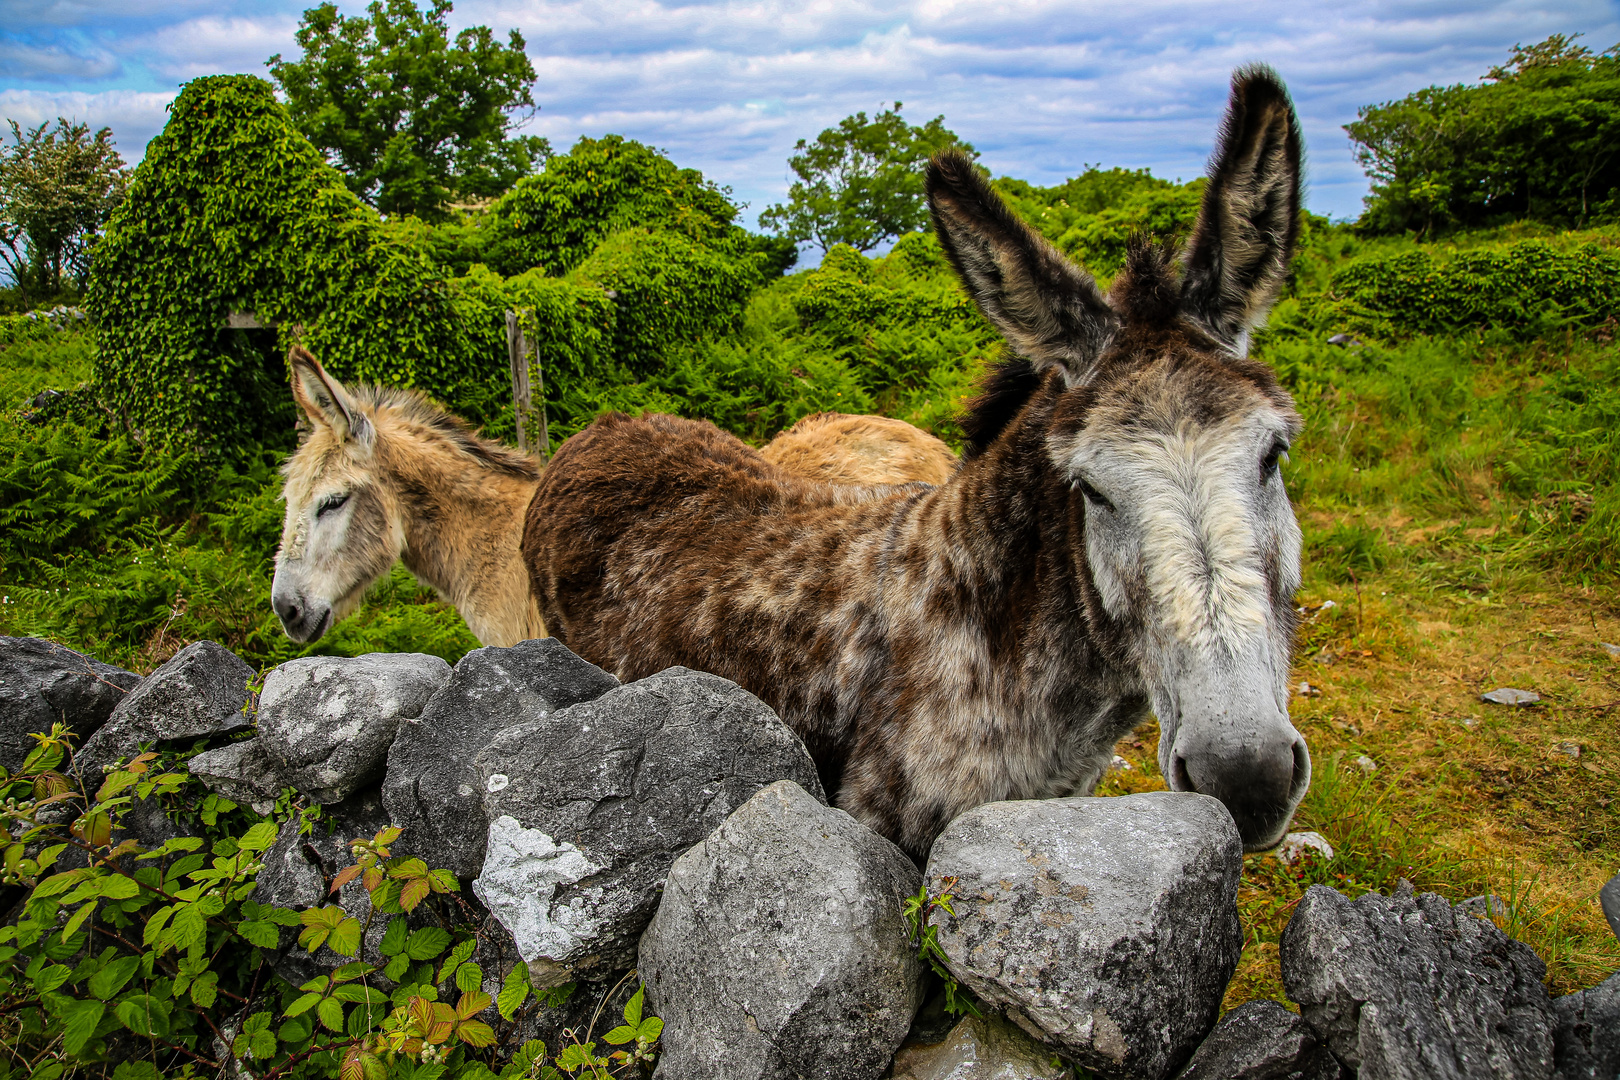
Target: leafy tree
{"points": [[1540, 139], [861, 183], [600, 187], [57, 188], [413, 120]]}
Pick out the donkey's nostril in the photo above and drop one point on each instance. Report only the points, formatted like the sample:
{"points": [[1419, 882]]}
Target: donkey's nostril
{"points": [[1302, 772], [288, 612], [1179, 779]]}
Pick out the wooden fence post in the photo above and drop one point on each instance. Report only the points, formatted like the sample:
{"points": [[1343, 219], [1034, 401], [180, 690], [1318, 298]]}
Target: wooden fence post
{"points": [[518, 353]]}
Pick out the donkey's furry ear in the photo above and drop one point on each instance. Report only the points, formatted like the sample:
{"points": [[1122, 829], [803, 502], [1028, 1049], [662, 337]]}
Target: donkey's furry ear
{"points": [[323, 398], [1238, 256], [1049, 310]]}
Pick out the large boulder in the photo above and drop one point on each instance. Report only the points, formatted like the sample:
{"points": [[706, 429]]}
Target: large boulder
{"points": [[41, 683], [981, 1048], [589, 807], [1404, 986], [1107, 928], [780, 949], [241, 771], [329, 720], [1586, 1033], [1262, 1041], [200, 693], [431, 788]]}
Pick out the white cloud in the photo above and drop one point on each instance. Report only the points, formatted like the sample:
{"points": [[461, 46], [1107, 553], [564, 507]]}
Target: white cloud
{"points": [[134, 116], [1041, 87], [215, 46]]}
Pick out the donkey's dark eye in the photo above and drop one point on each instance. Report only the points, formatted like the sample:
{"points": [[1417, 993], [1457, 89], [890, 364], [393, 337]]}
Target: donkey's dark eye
{"points": [[1093, 496], [1268, 467], [329, 504]]}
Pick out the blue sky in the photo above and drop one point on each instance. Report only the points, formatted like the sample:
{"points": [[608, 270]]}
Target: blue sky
{"points": [[1040, 87]]}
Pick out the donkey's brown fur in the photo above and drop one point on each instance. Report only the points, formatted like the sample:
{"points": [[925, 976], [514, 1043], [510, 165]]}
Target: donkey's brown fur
{"points": [[844, 449], [420, 486], [991, 637]]}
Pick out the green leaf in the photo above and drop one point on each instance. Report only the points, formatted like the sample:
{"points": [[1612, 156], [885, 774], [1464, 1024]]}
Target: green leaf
{"points": [[351, 971], [632, 1008], [514, 991], [155, 924], [620, 1035], [469, 977], [356, 992], [51, 977], [263, 934], [393, 939], [259, 837], [106, 983], [651, 1028], [345, 938], [426, 943], [79, 1022], [330, 1011], [396, 968], [302, 1005], [119, 887], [462, 950], [204, 989], [144, 1015], [73, 924]]}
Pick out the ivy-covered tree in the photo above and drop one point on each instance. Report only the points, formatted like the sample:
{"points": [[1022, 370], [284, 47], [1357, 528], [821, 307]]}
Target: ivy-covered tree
{"points": [[861, 183], [57, 187], [1539, 139], [413, 118]]}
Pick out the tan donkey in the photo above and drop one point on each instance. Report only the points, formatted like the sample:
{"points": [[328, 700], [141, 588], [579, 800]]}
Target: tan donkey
{"points": [[387, 474]]}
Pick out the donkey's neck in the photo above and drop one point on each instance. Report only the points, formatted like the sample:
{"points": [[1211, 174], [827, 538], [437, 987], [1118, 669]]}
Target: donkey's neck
{"points": [[462, 524]]}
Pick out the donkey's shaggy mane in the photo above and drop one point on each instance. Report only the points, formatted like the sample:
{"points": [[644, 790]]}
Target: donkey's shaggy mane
{"points": [[415, 407]]}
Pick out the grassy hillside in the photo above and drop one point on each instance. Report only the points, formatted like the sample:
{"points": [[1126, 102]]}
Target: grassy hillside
{"points": [[1456, 488]]}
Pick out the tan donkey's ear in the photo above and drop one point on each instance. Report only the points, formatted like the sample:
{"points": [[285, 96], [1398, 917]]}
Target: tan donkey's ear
{"points": [[323, 398]]}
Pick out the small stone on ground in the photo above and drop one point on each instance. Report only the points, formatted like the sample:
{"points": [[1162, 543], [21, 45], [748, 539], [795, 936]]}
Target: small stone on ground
{"points": [[1262, 1041], [1298, 844], [1509, 696], [981, 1049]]}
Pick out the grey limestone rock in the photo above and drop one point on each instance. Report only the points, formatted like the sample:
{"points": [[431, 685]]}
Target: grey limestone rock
{"points": [[328, 721], [1586, 1033], [780, 950], [42, 682], [1405, 986], [298, 869], [1609, 897], [241, 771], [589, 806], [431, 788], [200, 693], [1262, 1041], [1107, 928], [987, 1048]]}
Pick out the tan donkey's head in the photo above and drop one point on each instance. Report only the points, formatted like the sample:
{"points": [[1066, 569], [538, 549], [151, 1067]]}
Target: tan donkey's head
{"points": [[386, 474]]}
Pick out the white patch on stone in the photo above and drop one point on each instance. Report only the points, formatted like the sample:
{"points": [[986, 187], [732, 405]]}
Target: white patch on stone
{"points": [[522, 872], [496, 782], [464, 790]]}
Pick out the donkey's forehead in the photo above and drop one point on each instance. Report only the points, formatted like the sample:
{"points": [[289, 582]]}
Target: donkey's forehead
{"points": [[1175, 393], [321, 459]]}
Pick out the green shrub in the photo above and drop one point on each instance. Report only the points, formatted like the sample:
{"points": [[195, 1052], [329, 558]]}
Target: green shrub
{"points": [[604, 186], [1528, 289], [128, 962]]}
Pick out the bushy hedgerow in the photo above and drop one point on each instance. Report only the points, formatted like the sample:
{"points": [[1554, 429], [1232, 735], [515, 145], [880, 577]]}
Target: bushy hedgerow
{"points": [[1526, 289], [233, 210]]}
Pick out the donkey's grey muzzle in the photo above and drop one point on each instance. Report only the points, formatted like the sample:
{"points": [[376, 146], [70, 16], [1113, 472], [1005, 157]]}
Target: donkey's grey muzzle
{"points": [[304, 619], [1260, 778]]}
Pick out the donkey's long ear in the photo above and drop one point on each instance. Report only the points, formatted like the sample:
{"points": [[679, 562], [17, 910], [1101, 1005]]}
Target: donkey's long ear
{"points": [[1238, 256], [323, 397], [1050, 310]]}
